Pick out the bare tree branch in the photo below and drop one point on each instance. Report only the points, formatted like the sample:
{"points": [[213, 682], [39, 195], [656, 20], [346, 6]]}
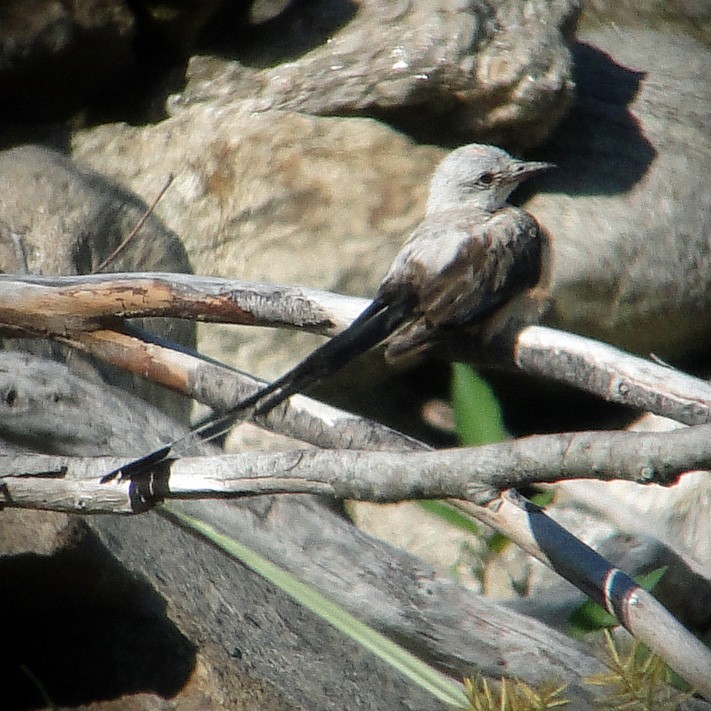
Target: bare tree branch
{"points": [[612, 374], [64, 483], [82, 310], [390, 589], [474, 474], [66, 304]]}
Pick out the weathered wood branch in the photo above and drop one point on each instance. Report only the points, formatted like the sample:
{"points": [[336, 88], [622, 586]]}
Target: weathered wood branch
{"points": [[509, 514], [61, 305], [83, 311], [474, 474], [397, 593], [613, 374]]}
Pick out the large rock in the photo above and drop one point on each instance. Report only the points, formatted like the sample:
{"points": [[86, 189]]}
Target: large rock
{"points": [[278, 197], [497, 72], [58, 218], [629, 208], [283, 197]]}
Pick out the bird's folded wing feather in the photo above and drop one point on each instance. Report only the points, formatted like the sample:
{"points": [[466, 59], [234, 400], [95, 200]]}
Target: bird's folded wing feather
{"points": [[481, 262]]}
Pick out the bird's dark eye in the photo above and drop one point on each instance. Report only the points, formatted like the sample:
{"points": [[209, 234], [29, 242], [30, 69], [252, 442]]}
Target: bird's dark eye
{"points": [[486, 178]]}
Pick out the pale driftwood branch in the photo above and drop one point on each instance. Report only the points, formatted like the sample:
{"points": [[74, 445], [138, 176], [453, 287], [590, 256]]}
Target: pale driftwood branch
{"points": [[612, 374], [222, 388], [473, 474], [79, 310], [71, 484], [66, 304]]}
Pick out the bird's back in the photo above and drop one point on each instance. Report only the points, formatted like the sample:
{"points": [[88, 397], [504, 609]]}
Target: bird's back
{"points": [[462, 266]]}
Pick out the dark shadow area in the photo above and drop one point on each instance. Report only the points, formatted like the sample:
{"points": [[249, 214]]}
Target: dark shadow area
{"points": [[530, 405], [600, 147], [368, 387], [303, 25], [78, 628], [435, 119], [111, 69]]}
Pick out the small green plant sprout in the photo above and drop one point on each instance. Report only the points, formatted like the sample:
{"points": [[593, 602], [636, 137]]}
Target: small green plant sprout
{"points": [[512, 695], [477, 412], [637, 680]]}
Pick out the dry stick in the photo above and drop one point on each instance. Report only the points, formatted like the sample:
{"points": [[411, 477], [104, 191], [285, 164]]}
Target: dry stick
{"points": [[67, 305], [136, 229], [486, 637], [385, 476], [613, 374], [638, 611], [222, 387]]}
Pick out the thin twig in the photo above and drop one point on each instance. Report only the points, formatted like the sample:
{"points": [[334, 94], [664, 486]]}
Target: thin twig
{"points": [[136, 229]]}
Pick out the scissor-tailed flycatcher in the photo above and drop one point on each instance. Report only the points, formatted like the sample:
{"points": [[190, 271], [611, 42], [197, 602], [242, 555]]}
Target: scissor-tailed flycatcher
{"points": [[468, 257]]}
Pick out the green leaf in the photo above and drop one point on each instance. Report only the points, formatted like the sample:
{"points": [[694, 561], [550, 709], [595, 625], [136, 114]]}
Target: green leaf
{"points": [[498, 542], [439, 685], [476, 410], [448, 513], [649, 581], [591, 617], [543, 497]]}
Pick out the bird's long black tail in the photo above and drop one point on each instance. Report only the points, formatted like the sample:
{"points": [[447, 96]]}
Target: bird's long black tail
{"points": [[372, 327]]}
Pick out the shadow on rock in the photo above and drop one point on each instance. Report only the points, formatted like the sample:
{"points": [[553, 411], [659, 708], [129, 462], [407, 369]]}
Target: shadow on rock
{"points": [[78, 628], [600, 147]]}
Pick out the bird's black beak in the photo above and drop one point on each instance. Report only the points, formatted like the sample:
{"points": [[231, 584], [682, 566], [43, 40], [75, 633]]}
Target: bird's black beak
{"points": [[525, 169]]}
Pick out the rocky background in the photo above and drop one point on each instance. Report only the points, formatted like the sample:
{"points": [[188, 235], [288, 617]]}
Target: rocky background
{"points": [[302, 136]]}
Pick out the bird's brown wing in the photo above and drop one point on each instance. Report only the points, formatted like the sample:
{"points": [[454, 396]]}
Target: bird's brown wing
{"points": [[497, 259], [498, 262]]}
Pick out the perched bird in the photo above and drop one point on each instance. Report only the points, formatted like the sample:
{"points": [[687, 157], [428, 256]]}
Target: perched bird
{"points": [[470, 255]]}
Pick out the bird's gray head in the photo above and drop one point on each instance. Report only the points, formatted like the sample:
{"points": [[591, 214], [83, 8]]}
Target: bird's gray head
{"points": [[478, 176]]}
